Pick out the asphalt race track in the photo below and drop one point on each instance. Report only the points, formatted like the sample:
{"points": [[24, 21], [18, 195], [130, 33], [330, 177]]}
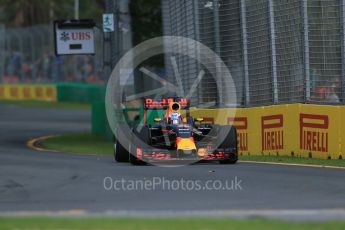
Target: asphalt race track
{"points": [[48, 181]]}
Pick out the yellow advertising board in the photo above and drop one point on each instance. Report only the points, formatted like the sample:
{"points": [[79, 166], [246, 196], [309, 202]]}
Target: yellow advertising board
{"points": [[242, 123], [341, 132], [319, 131], [28, 92], [300, 130]]}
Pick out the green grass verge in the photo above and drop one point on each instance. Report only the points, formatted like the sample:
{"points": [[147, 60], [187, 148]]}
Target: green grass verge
{"points": [[294, 160], [88, 143], [79, 143], [47, 104], [45, 223]]}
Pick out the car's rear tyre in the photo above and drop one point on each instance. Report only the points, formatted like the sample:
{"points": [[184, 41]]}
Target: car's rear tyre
{"points": [[228, 161], [143, 134], [229, 142], [120, 153]]}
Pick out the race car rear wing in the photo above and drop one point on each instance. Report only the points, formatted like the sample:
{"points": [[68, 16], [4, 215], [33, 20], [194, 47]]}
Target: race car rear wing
{"points": [[163, 104], [152, 104]]}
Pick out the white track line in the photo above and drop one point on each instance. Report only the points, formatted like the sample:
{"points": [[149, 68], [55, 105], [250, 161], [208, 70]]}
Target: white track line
{"points": [[287, 214], [293, 164]]}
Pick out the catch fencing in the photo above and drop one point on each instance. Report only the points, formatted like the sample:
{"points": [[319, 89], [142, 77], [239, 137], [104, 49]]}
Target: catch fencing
{"points": [[277, 51], [27, 56]]}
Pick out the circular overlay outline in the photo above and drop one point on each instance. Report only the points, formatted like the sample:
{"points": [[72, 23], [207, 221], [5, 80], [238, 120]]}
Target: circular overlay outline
{"points": [[148, 49]]}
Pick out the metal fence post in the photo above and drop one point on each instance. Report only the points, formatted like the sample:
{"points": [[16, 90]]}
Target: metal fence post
{"points": [[116, 43], [197, 48], [243, 19], [342, 21], [306, 49], [273, 51], [216, 25], [21, 39], [76, 9], [2, 53], [215, 4], [32, 38], [110, 41]]}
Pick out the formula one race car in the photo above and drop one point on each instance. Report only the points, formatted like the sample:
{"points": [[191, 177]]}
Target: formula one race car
{"points": [[175, 137]]}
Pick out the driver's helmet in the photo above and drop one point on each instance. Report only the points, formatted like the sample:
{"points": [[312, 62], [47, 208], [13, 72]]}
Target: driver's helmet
{"points": [[175, 118]]}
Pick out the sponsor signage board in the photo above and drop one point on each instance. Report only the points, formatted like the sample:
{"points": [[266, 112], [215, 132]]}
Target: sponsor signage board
{"points": [[74, 37]]}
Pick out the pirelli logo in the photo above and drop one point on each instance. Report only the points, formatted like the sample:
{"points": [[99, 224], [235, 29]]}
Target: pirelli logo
{"points": [[14, 92], [241, 124], [2, 92], [272, 132], [314, 132], [27, 92]]}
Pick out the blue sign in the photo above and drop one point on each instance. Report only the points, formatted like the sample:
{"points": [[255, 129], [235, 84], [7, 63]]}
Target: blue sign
{"points": [[108, 23]]}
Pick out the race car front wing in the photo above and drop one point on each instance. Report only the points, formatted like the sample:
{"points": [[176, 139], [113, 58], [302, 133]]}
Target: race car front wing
{"points": [[150, 155]]}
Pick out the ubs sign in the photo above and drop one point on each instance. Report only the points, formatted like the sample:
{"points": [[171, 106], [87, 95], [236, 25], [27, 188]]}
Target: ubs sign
{"points": [[74, 37]]}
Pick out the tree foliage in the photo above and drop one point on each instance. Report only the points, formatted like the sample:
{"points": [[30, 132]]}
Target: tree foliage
{"points": [[22, 13], [146, 19], [146, 24]]}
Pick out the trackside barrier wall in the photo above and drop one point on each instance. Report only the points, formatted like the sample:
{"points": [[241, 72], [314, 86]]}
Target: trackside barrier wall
{"points": [[41, 92], [78, 92], [61, 92], [100, 125], [300, 130], [64, 92]]}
